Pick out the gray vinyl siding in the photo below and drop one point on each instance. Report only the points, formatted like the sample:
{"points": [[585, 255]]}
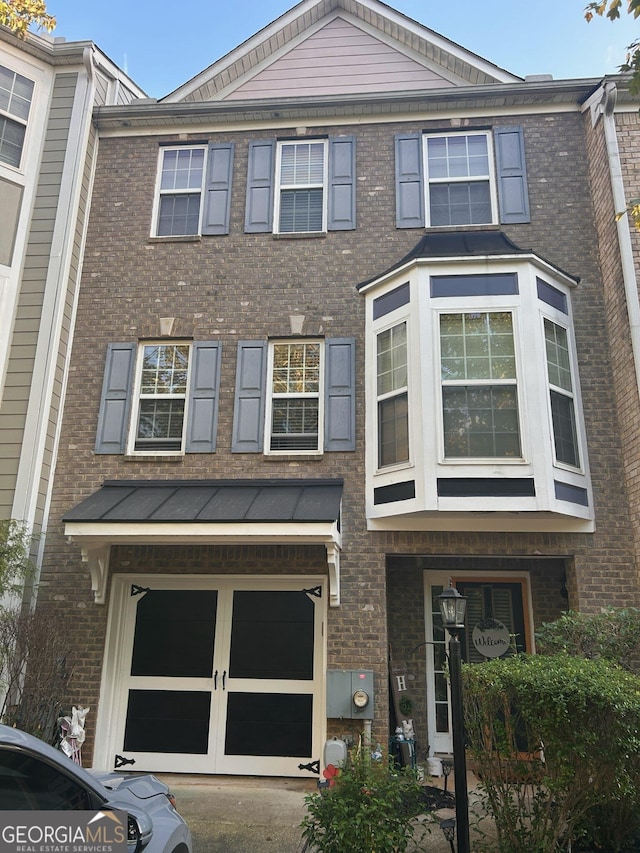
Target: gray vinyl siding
{"points": [[29, 309], [339, 59]]}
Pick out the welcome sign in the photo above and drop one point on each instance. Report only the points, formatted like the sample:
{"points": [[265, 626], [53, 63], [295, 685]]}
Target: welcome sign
{"points": [[491, 638], [63, 832]]}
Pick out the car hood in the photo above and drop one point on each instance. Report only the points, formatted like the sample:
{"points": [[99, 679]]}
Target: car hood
{"points": [[128, 784]]}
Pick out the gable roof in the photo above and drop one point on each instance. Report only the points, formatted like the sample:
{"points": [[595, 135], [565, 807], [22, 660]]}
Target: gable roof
{"points": [[339, 47]]}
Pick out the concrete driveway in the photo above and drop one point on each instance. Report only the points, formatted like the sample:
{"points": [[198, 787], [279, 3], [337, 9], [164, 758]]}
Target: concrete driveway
{"points": [[229, 814]]}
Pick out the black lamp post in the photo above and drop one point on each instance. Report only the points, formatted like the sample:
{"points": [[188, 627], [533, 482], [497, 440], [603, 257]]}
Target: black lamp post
{"points": [[452, 608]]}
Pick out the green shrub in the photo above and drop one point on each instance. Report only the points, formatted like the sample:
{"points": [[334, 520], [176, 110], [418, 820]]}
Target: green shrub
{"points": [[613, 634], [552, 737], [370, 808]]}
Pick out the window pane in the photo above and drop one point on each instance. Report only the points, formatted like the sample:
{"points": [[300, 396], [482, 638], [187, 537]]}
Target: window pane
{"points": [[477, 346], [392, 359], [160, 424], [302, 163], [294, 424], [31, 784], [179, 215], [301, 211], [16, 92], [460, 204], [164, 369], [558, 362], [11, 141], [393, 430], [481, 421], [564, 429], [182, 169], [296, 368], [458, 156]]}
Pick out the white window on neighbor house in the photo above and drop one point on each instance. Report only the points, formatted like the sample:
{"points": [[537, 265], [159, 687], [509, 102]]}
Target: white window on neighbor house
{"points": [[294, 400], [301, 181], [479, 390], [180, 191], [392, 386], [16, 93], [561, 392], [158, 421], [460, 179]]}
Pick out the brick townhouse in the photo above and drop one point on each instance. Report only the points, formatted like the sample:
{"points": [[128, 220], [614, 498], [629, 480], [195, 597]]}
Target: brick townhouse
{"points": [[351, 324]]}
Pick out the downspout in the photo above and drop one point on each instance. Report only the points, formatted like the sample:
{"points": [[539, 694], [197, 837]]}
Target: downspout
{"points": [[624, 237]]}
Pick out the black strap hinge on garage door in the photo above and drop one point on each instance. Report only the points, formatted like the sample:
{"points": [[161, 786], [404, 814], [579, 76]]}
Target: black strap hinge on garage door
{"points": [[120, 761], [312, 767], [315, 591], [138, 590]]}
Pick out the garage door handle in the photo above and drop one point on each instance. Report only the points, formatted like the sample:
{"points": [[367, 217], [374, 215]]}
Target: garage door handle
{"points": [[224, 680], [215, 680]]}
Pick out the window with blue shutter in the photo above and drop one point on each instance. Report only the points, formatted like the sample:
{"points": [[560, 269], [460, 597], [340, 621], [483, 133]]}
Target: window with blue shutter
{"points": [[295, 396], [301, 186], [166, 401], [194, 190], [454, 178]]}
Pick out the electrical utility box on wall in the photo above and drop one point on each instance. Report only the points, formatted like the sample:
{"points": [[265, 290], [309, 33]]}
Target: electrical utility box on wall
{"points": [[350, 694]]}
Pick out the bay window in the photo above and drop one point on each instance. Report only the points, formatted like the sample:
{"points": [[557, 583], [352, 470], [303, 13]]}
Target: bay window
{"points": [[474, 419]]}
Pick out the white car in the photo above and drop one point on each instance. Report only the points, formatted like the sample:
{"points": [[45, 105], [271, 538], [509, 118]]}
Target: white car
{"points": [[36, 777]]}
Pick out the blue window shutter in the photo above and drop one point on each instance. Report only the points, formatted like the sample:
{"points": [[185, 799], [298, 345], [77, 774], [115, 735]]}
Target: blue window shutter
{"points": [[202, 415], [217, 191], [513, 193], [260, 178], [115, 401], [248, 412], [342, 183], [339, 403], [409, 181]]}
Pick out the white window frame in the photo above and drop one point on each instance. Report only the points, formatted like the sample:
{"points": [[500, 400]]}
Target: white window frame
{"points": [[280, 188], [393, 394], [572, 395], [14, 118], [138, 396], [490, 177], [457, 307], [160, 193], [270, 396]]}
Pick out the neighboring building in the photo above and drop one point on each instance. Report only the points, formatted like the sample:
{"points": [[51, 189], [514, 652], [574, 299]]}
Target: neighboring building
{"points": [[342, 335], [48, 89]]}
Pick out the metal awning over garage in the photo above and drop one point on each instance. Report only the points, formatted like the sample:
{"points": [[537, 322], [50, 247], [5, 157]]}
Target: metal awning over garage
{"points": [[206, 511]]}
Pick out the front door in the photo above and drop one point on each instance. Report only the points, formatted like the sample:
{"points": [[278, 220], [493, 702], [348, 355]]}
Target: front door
{"points": [[497, 623], [216, 675]]}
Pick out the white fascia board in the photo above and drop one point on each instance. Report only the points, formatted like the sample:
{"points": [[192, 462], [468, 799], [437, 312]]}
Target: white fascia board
{"points": [[96, 538], [307, 533], [484, 522]]}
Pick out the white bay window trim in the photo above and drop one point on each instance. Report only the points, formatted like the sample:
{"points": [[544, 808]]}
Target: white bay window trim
{"points": [[528, 491]]}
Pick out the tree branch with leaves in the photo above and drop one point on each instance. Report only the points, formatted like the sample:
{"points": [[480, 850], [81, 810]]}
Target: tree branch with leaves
{"points": [[19, 15]]}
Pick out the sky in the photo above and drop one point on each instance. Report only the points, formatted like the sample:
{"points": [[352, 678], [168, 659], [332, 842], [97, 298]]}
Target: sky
{"points": [[162, 45]]}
